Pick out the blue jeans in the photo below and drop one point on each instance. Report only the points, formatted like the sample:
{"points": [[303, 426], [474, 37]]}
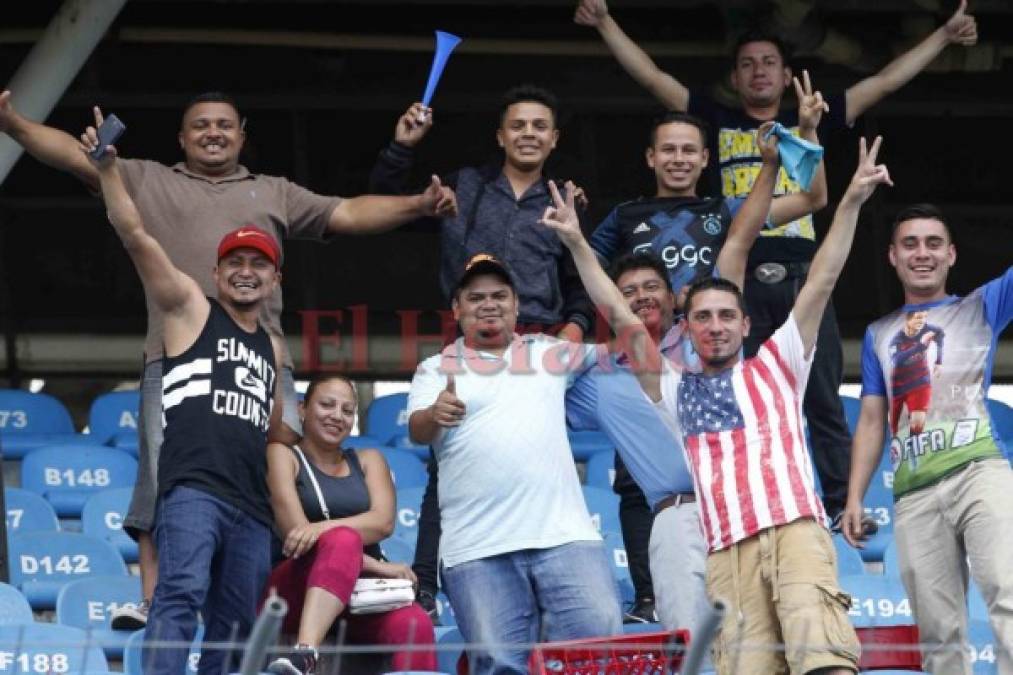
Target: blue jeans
{"points": [[513, 600], [212, 558]]}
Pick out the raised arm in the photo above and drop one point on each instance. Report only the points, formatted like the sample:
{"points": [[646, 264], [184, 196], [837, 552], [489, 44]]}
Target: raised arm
{"points": [[961, 29], [833, 252], [173, 291], [389, 175], [372, 214], [629, 330], [811, 107], [752, 215], [50, 146], [634, 60]]}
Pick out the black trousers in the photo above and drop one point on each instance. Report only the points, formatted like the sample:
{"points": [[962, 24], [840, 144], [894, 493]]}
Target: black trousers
{"points": [[769, 306], [427, 542], [635, 518]]}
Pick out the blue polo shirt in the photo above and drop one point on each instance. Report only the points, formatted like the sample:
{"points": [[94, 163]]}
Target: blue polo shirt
{"points": [[608, 397]]}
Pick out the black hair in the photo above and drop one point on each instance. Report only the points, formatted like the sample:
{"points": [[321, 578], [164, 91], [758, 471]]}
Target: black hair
{"points": [[529, 92], [323, 378], [212, 97], [673, 117], [923, 210], [760, 35], [714, 284], [640, 260]]}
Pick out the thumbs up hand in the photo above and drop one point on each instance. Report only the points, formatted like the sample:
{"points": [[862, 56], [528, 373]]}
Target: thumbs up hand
{"points": [[448, 411]]}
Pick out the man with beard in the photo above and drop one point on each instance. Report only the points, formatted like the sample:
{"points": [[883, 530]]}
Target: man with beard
{"points": [[521, 558]]}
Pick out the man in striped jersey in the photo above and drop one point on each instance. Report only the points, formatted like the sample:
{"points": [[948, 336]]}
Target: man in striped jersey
{"points": [[771, 560]]}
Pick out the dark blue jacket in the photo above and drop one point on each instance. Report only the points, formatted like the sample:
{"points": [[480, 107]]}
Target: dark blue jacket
{"points": [[491, 220]]}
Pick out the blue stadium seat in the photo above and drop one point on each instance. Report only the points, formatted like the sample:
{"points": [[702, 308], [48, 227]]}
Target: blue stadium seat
{"points": [[852, 408], [89, 603], [33, 648], [450, 646], [603, 505], [355, 442], [30, 420], [405, 469], [601, 471], [28, 512], [398, 550], [66, 475], [982, 647], [877, 600], [113, 417], [43, 562], [1002, 418], [132, 653], [405, 443], [444, 610], [848, 559], [583, 444], [103, 516], [387, 417], [406, 518], [387, 420], [615, 551], [13, 606]]}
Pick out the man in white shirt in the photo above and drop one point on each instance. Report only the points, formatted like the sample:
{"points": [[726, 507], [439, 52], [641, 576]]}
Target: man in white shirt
{"points": [[519, 550]]}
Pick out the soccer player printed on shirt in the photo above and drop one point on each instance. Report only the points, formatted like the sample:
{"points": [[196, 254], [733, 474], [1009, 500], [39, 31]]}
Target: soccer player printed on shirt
{"points": [[910, 377], [771, 558], [220, 401], [952, 483]]}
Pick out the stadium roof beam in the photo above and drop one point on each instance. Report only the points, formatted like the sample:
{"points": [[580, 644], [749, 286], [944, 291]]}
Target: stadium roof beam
{"points": [[54, 61]]}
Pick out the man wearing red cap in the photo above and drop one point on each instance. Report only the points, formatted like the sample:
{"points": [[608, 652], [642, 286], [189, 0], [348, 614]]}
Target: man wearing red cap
{"points": [[220, 401], [187, 208]]}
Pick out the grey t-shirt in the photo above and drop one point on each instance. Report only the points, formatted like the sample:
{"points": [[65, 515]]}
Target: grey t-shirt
{"points": [[188, 215]]}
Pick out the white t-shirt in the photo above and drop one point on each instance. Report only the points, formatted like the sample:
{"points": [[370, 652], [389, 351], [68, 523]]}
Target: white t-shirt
{"points": [[507, 477]]}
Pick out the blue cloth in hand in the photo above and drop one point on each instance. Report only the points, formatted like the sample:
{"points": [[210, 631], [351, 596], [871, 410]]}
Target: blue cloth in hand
{"points": [[798, 157]]}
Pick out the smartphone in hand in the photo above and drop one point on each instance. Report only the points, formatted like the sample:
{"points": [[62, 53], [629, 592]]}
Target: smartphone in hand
{"points": [[108, 133]]}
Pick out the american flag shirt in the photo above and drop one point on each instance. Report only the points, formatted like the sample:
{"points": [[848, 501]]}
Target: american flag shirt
{"points": [[745, 440]]}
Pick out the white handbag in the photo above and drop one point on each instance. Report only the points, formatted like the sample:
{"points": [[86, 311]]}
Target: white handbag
{"points": [[370, 595]]}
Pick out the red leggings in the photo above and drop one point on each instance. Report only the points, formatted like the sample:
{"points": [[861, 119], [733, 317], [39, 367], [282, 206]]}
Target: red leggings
{"points": [[334, 564]]}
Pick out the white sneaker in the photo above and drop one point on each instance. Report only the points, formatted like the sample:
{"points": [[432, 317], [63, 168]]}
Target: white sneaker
{"points": [[130, 617]]}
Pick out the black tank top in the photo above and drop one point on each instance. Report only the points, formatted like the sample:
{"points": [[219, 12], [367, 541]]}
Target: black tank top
{"points": [[345, 495], [217, 398]]}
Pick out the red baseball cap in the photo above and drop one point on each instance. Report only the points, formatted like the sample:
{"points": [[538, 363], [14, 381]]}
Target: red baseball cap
{"points": [[250, 236]]}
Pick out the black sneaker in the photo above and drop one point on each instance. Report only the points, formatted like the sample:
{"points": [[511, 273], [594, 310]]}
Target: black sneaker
{"points": [[301, 660], [428, 602], [130, 617], [642, 611]]}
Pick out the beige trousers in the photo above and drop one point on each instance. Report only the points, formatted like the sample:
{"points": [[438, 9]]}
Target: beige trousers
{"points": [[965, 519]]}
